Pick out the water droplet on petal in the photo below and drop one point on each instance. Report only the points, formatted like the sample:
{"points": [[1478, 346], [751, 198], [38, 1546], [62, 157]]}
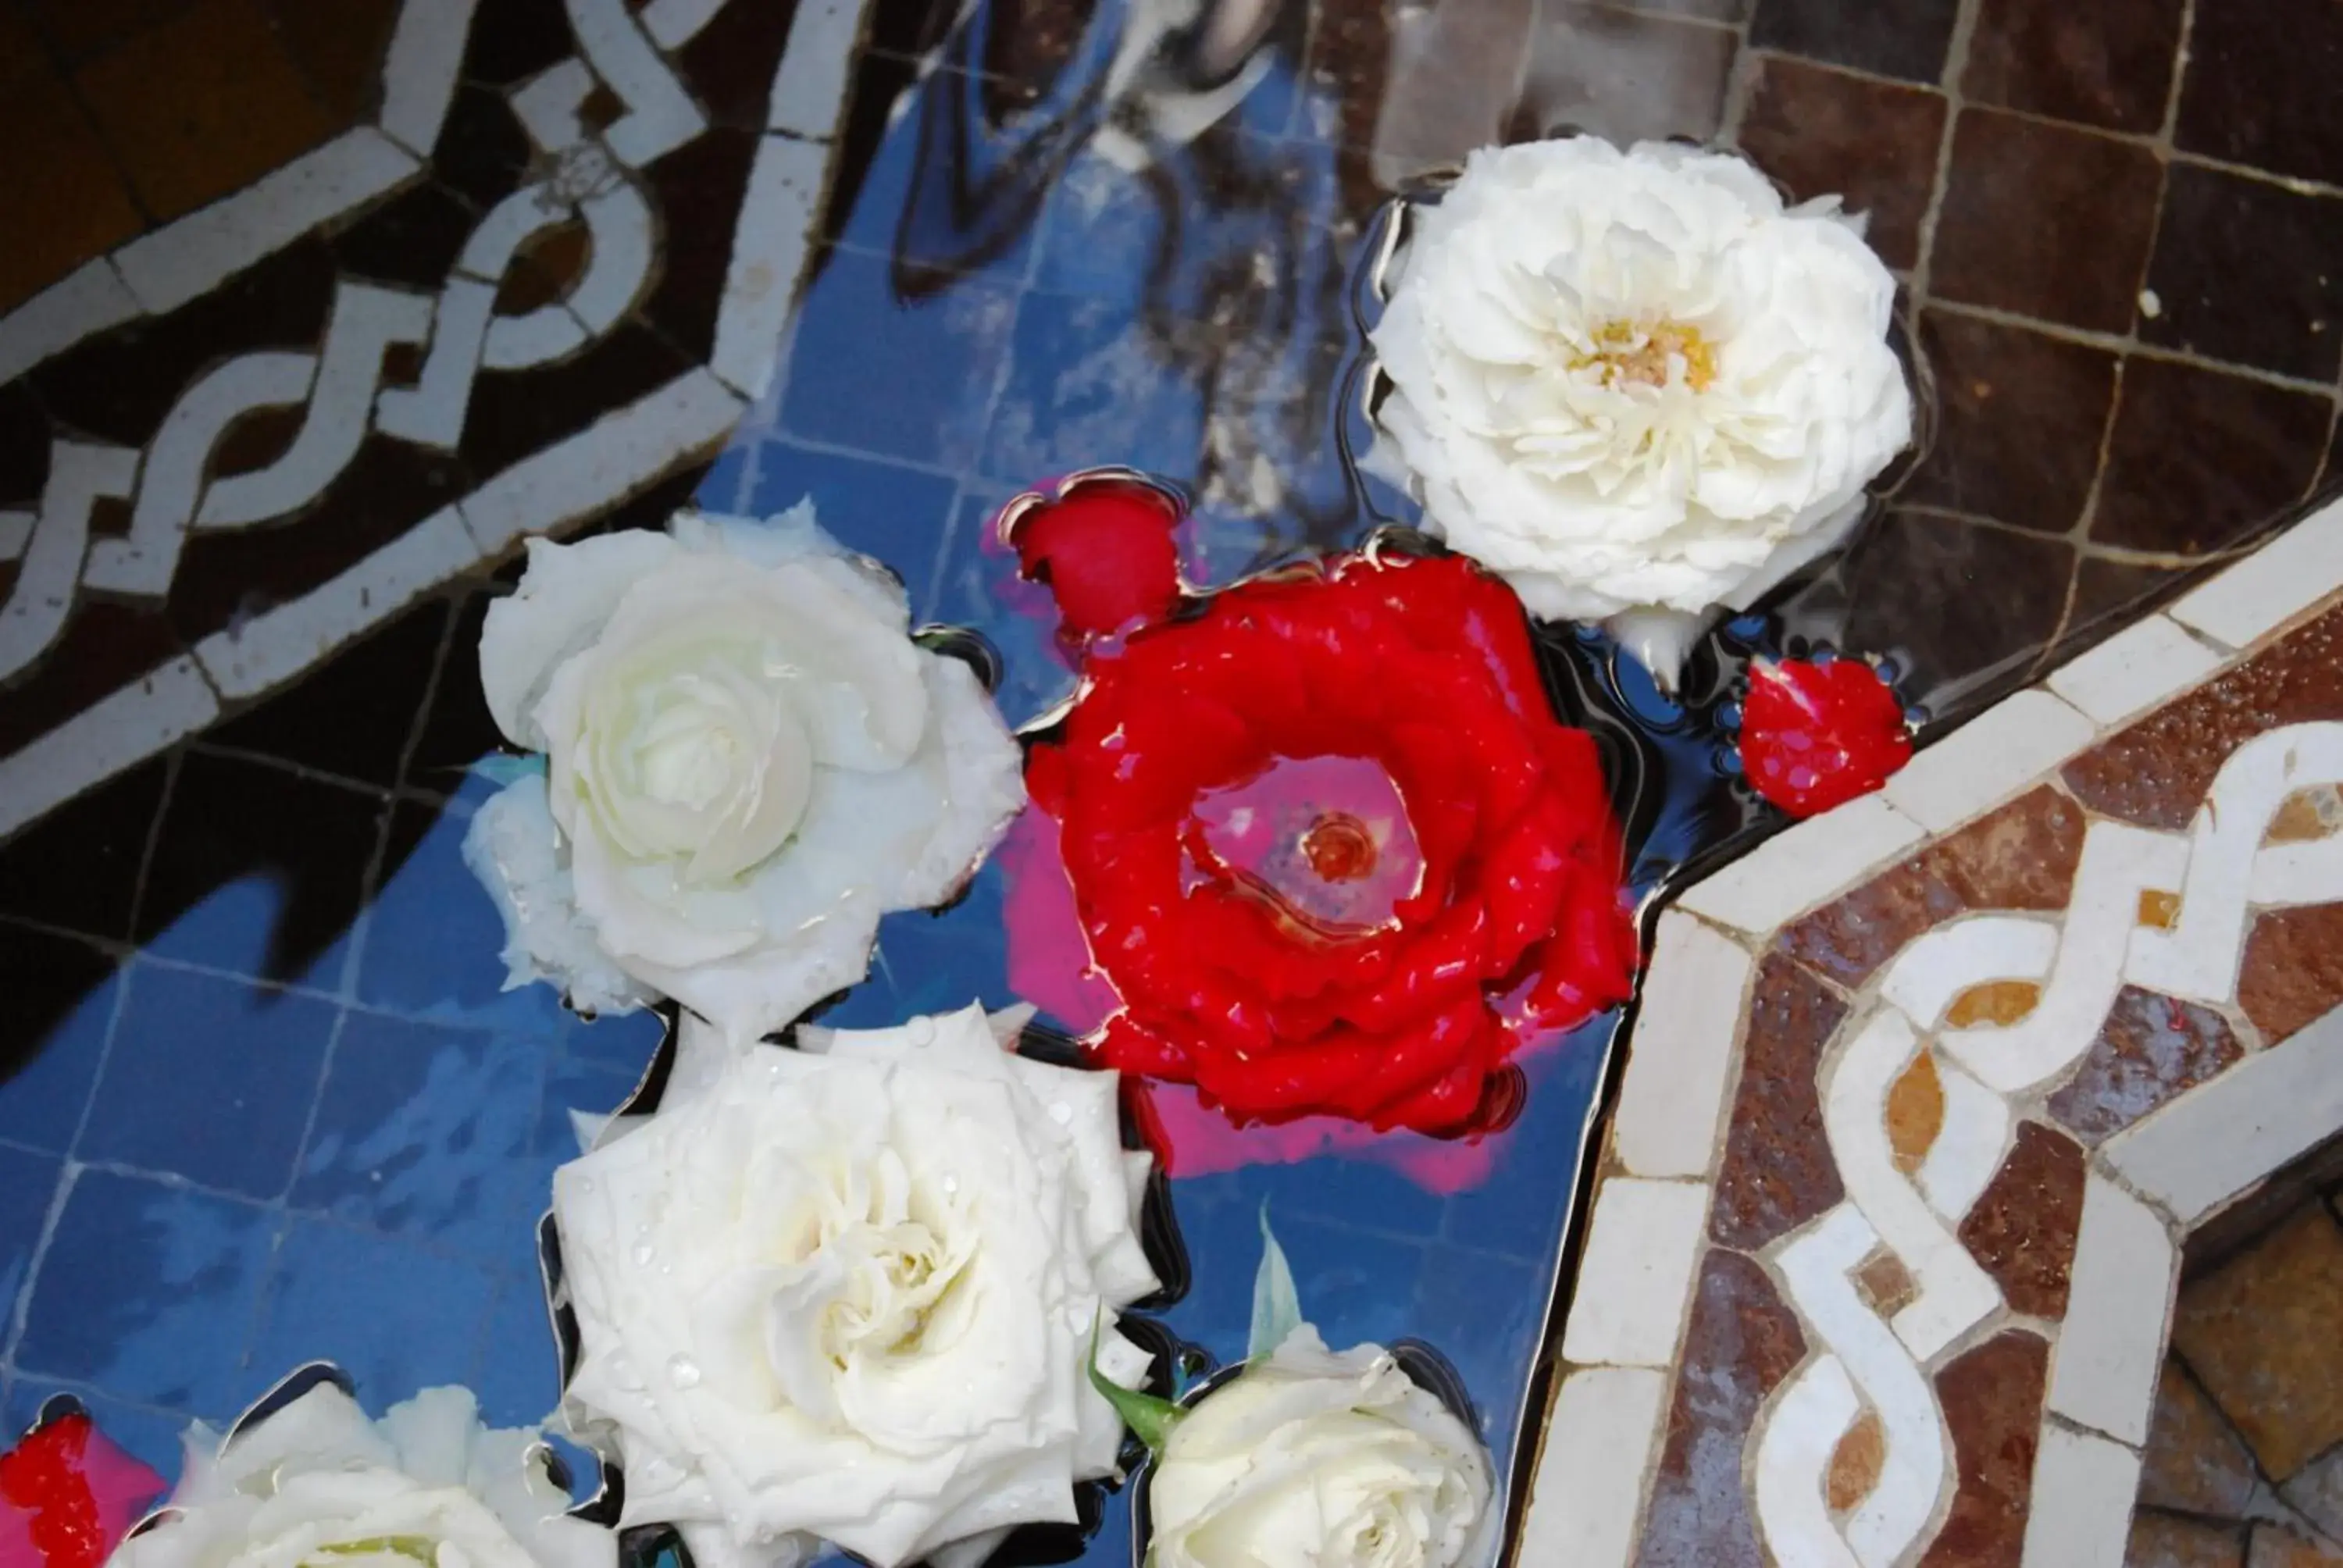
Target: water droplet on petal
{"points": [[1061, 1112], [643, 1254], [683, 1372]]}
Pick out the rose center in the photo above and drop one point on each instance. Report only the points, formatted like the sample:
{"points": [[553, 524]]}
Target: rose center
{"points": [[1339, 848], [1647, 355]]}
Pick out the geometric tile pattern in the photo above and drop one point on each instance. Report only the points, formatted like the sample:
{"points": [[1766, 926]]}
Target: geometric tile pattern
{"points": [[1927, 1094]]}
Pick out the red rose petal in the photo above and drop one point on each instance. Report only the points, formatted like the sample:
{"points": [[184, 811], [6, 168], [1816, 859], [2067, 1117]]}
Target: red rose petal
{"points": [[74, 1493], [1814, 735], [1107, 552]]}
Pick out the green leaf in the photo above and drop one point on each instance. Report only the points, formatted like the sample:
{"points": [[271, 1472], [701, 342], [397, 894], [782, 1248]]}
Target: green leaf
{"points": [[1276, 1306], [1149, 1419]]}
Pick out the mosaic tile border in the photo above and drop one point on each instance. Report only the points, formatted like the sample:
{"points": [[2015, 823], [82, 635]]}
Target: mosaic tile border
{"points": [[1925, 1095], [344, 392]]}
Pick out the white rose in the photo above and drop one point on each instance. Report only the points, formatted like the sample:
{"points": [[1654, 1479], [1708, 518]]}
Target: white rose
{"points": [[749, 762], [849, 1291], [1312, 1459], [317, 1482], [1633, 382]]}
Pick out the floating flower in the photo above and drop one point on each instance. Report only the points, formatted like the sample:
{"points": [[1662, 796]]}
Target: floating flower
{"points": [[749, 762], [846, 1292], [317, 1482], [1816, 735], [67, 1495], [1310, 1458], [1634, 384], [1330, 846]]}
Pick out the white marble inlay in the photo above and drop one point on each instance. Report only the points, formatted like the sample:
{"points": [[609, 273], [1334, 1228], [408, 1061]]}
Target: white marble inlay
{"points": [[2272, 586], [1802, 1433], [810, 89], [770, 250], [1926, 978], [57, 539], [1988, 759], [1969, 1145], [1805, 866], [2134, 670], [431, 412], [1680, 1052], [2103, 1372], [126, 726], [1589, 1489], [660, 116], [1952, 1291], [89, 300], [2081, 1512], [1634, 1282], [420, 68]]}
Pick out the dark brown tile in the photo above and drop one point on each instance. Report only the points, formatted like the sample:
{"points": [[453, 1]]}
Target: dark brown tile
{"points": [[1902, 38], [350, 715], [2171, 1541], [202, 106], [516, 414], [1822, 132], [2259, 1333], [1959, 604], [2023, 1228], [1778, 1172], [104, 646], [78, 866], [62, 203], [2019, 419], [2151, 1049], [2020, 857], [2260, 87], [698, 189], [2108, 64], [2195, 1462], [2248, 271], [483, 153], [1620, 74], [2110, 595], [2293, 969], [456, 730], [2045, 220], [2156, 773], [411, 238], [2282, 1546], [1032, 41], [1992, 1401], [79, 28], [339, 48], [1742, 1342], [730, 64], [21, 49], [2199, 460], [513, 40], [24, 447]]}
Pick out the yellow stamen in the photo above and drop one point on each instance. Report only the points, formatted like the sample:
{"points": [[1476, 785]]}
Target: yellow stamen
{"points": [[1631, 352]]}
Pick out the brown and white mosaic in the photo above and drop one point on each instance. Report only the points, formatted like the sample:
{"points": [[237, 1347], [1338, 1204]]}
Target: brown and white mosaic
{"points": [[1927, 1095]]}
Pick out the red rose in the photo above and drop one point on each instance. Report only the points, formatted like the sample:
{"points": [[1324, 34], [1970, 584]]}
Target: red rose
{"points": [[1331, 848], [67, 1496]]}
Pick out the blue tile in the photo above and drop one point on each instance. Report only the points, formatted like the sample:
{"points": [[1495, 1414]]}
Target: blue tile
{"points": [[623, 1042], [725, 489], [587, 1087], [397, 1317], [977, 585], [907, 379], [147, 1292], [893, 514], [929, 963], [27, 1182], [936, 193], [209, 1079], [425, 1131], [519, 1380], [47, 1071], [1518, 1210], [1102, 232], [149, 1436], [1091, 381], [434, 936]]}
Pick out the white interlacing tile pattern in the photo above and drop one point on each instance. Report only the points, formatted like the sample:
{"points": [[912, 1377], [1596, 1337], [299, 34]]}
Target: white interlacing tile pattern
{"points": [[2146, 1186]]}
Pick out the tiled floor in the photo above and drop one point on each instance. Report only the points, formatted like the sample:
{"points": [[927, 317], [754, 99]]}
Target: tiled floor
{"points": [[309, 312]]}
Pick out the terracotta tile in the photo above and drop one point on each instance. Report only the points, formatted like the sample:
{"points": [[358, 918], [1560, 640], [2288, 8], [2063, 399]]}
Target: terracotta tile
{"points": [[1856, 1463], [201, 106], [62, 203], [1915, 1112], [1742, 1342], [2260, 1334], [339, 48], [1624, 77], [1902, 38], [2245, 270], [2151, 1049], [2199, 460], [1885, 1285], [1778, 1172], [2293, 969], [2196, 1462], [2168, 1540], [1992, 1400], [2019, 419], [2023, 1229], [2020, 857], [2276, 1547], [2260, 87], [1822, 132], [2108, 63], [2156, 773], [2046, 221], [2317, 1493]]}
